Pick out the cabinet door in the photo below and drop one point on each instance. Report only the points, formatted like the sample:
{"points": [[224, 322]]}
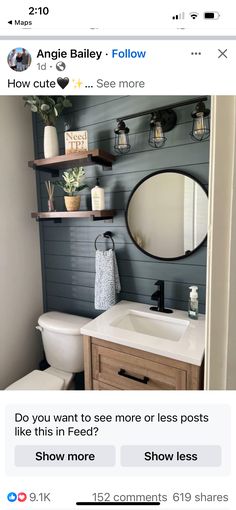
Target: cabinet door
{"points": [[128, 372]]}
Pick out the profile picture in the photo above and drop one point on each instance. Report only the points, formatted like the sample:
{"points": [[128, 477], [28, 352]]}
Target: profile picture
{"points": [[19, 59]]}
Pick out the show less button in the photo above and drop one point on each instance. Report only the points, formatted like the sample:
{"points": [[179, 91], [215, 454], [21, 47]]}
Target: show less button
{"points": [[161, 455], [64, 456]]}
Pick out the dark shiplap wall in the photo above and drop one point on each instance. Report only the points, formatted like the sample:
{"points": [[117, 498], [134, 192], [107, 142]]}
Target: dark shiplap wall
{"points": [[68, 248]]}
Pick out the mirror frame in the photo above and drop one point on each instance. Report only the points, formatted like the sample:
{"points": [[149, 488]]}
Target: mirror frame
{"points": [[130, 198]]}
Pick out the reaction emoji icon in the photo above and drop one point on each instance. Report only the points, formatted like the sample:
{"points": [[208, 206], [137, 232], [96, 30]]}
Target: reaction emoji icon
{"points": [[22, 497], [12, 497]]}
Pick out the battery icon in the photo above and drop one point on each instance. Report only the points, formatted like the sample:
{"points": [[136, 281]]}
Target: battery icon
{"points": [[211, 15]]}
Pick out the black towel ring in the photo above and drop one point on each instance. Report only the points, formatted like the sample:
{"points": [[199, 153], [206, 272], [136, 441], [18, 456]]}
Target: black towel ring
{"points": [[107, 235]]}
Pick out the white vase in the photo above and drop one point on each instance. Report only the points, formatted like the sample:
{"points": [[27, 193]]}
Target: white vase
{"points": [[51, 145]]}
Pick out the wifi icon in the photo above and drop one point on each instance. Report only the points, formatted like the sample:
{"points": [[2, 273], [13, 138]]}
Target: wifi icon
{"points": [[193, 15]]}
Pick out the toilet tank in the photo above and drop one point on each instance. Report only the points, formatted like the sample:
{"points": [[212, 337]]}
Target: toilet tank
{"points": [[62, 341]]}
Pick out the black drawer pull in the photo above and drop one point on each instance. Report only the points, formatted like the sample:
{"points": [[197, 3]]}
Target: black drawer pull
{"points": [[123, 373]]}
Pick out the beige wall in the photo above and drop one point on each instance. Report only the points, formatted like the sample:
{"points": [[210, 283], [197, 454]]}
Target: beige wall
{"points": [[221, 280], [231, 354], [20, 269]]}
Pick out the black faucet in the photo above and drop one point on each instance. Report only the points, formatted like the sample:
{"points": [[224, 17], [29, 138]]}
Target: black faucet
{"points": [[159, 296]]}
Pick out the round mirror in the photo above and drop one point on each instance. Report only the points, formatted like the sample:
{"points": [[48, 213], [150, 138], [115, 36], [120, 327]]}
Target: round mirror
{"points": [[166, 215]]}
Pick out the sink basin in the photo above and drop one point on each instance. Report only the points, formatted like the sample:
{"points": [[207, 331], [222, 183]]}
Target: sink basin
{"points": [[155, 326], [134, 325]]}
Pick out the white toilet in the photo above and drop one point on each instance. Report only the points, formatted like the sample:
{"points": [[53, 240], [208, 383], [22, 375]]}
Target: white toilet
{"points": [[63, 347]]}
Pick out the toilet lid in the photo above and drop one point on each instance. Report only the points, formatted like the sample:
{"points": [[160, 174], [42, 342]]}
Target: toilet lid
{"points": [[59, 322], [38, 380]]}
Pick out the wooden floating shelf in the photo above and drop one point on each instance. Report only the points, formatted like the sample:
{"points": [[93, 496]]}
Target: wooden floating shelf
{"points": [[95, 157], [94, 215]]}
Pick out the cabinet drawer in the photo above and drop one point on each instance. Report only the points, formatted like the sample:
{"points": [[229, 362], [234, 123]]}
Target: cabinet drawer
{"points": [[98, 385], [128, 372]]}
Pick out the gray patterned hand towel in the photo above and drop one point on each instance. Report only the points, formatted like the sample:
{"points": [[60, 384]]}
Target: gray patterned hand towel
{"points": [[107, 280]]}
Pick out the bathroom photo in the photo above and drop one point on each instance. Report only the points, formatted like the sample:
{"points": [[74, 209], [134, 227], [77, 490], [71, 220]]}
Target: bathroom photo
{"points": [[118, 243]]}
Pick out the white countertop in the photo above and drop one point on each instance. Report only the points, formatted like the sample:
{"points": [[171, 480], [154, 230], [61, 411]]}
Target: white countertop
{"points": [[190, 347]]}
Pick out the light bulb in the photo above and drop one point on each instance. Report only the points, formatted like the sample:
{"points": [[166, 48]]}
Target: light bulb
{"points": [[157, 138], [158, 134], [199, 127], [122, 140]]}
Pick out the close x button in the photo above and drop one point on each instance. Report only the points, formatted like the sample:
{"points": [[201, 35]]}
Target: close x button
{"points": [[223, 53]]}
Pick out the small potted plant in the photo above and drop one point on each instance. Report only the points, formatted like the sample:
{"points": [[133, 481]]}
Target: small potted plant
{"points": [[49, 108], [71, 183]]}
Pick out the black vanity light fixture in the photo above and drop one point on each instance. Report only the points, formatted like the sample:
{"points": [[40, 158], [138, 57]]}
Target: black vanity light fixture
{"points": [[201, 122], [163, 120], [122, 145], [156, 133]]}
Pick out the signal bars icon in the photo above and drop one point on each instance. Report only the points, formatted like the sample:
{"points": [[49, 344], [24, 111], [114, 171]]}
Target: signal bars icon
{"points": [[181, 15]]}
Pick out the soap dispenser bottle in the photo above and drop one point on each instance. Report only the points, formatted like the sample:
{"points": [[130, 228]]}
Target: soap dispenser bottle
{"points": [[97, 195], [193, 302]]}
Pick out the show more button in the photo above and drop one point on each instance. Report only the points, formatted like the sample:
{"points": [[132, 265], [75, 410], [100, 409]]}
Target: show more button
{"points": [[161, 455], [65, 456]]}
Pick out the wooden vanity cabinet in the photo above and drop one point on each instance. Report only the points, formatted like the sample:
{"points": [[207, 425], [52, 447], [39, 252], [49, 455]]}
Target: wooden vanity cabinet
{"points": [[111, 366]]}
